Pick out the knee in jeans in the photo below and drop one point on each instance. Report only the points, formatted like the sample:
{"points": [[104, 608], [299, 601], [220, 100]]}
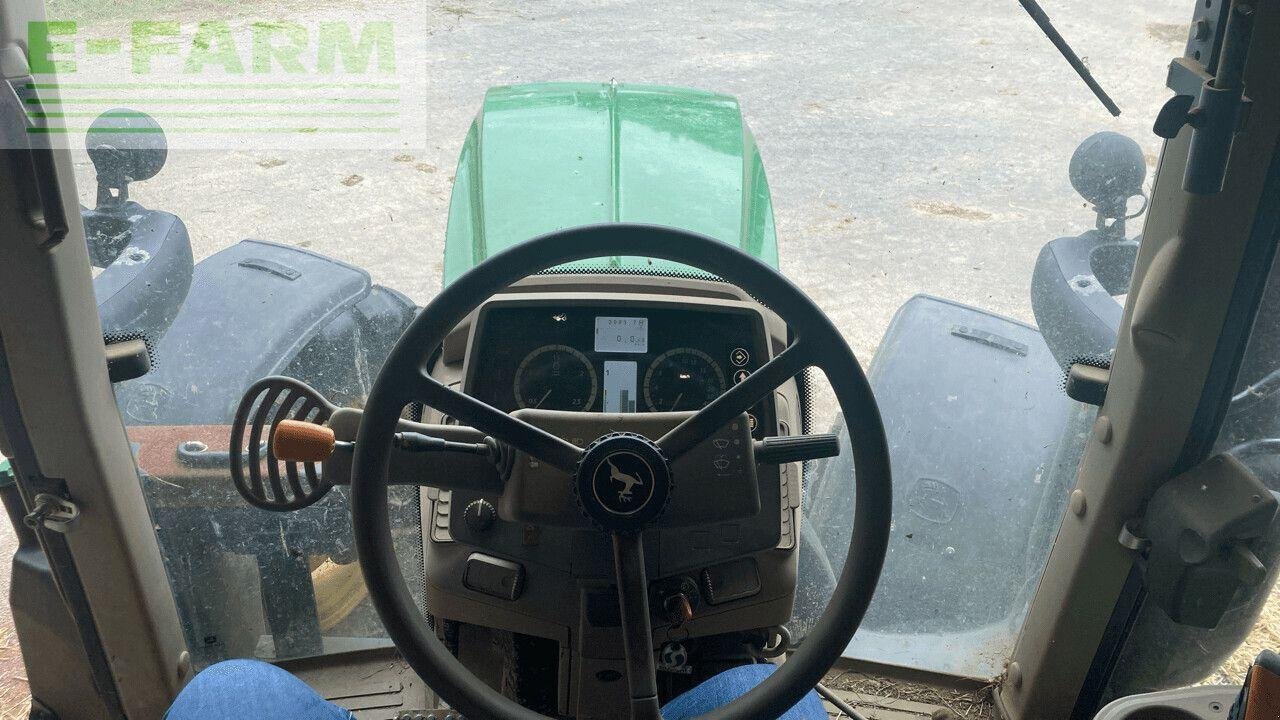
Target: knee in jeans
{"points": [[233, 675]]}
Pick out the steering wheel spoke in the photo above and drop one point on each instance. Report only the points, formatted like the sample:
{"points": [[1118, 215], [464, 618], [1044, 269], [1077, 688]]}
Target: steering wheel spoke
{"points": [[534, 441], [738, 399], [637, 633]]}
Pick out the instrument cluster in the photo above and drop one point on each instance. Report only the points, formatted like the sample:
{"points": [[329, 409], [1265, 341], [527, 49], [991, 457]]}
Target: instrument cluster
{"points": [[611, 358]]}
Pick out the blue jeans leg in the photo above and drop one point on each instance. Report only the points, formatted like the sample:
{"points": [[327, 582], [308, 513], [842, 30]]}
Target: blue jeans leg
{"points": [[731, 684], [250, 690], [253, 690]]}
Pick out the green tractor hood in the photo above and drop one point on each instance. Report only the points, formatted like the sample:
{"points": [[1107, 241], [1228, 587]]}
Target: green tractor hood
{"points": [[549, 156]]}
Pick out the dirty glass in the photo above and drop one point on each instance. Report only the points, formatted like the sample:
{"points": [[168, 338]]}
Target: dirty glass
{"points": [[323, 178], [1160, 653]]}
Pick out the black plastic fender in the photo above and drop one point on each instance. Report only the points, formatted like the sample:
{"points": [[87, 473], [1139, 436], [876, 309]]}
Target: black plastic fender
{"points": [[1072, 293], [146, 262], [973, 411], [259, 309]]}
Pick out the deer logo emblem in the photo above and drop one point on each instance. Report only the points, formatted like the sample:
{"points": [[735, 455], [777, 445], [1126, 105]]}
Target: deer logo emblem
{"points": [[626, 480], [623, 482]]}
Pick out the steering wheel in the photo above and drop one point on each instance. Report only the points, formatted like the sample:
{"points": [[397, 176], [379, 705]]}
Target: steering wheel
{"points": [[817, 343]]}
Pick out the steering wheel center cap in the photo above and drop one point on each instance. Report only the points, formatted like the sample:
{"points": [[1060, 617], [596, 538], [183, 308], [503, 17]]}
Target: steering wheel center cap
{"points": [[623, 482]]}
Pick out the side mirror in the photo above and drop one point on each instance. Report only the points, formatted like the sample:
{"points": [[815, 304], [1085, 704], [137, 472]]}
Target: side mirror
{"points": [[125, 146], [145, 255], [1107, 169], [1076, 279]]}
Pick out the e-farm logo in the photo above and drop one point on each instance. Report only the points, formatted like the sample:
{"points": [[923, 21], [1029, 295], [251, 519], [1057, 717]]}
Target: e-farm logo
{"points": [[266, 47], [216, 78]]}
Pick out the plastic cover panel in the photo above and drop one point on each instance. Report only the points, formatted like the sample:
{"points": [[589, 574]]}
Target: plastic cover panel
{"points": [[984, 445]]}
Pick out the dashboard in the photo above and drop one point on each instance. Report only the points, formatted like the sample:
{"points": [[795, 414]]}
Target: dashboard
{"points": [[596, 356]]}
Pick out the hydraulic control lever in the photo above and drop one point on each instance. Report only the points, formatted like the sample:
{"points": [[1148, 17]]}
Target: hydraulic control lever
{"points": [[308, 449]]}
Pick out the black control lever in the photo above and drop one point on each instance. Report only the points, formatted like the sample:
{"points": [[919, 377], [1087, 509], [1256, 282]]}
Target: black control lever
{"points": [[796, 448], [417, 442], [406, 441], [300, 441]]}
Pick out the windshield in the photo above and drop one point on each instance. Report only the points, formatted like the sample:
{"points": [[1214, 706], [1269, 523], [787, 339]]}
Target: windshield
{"points": [[331, 167]]}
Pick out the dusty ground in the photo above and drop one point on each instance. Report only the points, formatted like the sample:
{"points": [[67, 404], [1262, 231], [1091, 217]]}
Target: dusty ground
{"points": [[13, 680], [911, 147], [1265, 636], [918, 147]]}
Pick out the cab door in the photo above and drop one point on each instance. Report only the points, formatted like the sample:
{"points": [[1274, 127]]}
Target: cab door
{"points": [[95, 617]]}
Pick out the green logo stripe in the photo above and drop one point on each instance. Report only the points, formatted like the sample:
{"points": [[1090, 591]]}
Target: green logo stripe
{"points": [[229, 113], [215, 86], [213, 101], [290, 130]]}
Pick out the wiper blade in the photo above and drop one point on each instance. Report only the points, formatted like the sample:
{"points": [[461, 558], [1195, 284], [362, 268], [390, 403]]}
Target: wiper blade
{"points": [[1037, 13]]}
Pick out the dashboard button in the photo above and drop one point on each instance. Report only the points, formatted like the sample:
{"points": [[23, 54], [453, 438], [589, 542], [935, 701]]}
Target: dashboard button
{"points": [[731, 581], [740, 376], [739, 357], [494, 576]]}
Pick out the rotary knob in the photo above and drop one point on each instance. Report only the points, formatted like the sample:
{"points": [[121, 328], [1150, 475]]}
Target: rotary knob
{"points": [[479, 515]]}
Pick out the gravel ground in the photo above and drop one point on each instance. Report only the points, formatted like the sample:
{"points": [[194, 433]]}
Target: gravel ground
{"points": [[13, 676], [914, 147], [911, 147]]}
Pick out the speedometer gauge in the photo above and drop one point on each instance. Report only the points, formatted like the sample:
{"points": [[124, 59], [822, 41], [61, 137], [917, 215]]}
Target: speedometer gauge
{"points": [[683, 379], [556, 377]]}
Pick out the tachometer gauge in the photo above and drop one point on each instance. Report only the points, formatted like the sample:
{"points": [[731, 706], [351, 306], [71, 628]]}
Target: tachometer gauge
{"points": [[556, 377], [682, 379]]}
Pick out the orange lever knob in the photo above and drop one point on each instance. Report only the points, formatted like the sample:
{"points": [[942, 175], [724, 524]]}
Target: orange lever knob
{"points": [[298, 441], [678, 610]]}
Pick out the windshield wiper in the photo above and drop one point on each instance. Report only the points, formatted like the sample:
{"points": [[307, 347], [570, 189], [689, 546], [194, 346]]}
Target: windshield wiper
{"points": [[1037, 13]]}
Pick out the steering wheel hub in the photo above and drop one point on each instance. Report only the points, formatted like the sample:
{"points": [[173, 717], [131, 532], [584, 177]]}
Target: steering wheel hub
{"points": [[623, 482]]}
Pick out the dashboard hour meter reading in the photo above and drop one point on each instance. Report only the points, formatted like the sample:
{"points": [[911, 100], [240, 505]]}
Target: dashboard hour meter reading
{"points": [[622, 334]]}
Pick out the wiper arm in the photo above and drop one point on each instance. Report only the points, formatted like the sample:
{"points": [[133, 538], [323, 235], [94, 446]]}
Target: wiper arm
{"points": [[1034, 10]]}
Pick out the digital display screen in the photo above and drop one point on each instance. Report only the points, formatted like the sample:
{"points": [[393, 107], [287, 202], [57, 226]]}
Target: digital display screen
{"points": [[619, 386], [622, 334]]}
